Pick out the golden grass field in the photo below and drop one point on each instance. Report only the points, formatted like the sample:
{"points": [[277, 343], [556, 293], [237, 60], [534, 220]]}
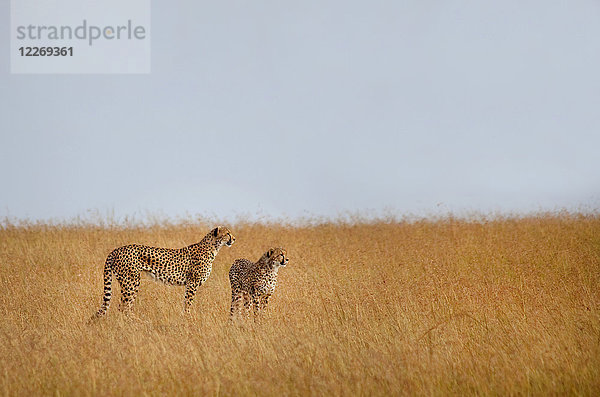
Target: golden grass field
{"points": [[508, 306]]}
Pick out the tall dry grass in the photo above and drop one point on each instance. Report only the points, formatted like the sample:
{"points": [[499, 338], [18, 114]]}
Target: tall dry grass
{"points": [[500, 307]]}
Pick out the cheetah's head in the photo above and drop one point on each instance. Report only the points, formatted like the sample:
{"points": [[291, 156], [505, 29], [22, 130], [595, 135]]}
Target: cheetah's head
{"points": [[223, 236], [276, 257]]}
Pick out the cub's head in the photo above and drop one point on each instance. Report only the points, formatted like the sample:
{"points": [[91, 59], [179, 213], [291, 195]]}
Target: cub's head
{"points": [[276, 257], [222, 236]]}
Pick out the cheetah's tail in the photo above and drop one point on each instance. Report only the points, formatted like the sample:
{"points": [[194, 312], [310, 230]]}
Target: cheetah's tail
{"points": [[107, 288]]}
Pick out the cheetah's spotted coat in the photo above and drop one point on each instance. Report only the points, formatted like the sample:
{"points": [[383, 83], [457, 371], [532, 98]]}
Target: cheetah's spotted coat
{"points": [[189, 266], [254, 283]]}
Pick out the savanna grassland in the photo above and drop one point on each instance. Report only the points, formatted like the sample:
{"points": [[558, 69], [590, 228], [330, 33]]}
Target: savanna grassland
{"points": [[508, 306]]}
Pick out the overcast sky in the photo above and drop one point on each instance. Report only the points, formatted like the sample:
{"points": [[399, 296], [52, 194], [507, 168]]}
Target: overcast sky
{"points": [[318, 108]]}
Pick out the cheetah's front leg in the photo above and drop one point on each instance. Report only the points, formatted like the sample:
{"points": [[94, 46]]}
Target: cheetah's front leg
{"points": [[264, 301], [190, 293]]}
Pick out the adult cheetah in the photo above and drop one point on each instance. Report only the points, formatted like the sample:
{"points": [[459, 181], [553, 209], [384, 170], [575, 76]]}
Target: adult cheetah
{"points": [[254, 283], [189, 266]]}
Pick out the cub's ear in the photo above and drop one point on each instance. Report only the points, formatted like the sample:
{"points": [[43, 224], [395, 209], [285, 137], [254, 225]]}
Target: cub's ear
{"points": [[215, 232]]}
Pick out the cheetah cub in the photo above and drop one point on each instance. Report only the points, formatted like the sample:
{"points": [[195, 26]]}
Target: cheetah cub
{"points": [[255, 282]]}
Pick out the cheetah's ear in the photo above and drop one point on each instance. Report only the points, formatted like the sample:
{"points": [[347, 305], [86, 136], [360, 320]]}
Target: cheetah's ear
{"points": [[269, 253], [215, 232]]}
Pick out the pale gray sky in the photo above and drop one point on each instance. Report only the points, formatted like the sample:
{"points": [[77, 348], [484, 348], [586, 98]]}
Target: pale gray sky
{"points": [[318, 107]]}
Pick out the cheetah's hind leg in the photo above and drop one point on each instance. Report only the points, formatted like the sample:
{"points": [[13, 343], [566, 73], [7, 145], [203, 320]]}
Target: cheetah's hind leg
{"points": [[129, 289]]}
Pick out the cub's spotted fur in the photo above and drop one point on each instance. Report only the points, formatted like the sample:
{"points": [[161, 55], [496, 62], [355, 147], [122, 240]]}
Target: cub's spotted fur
{"points": [[254, 283], [189, 266]]}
